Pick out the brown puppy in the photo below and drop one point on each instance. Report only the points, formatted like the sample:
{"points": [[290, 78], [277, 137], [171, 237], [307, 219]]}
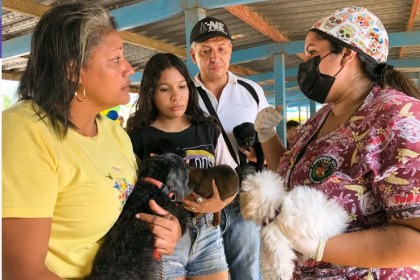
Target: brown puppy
{"points": [[227, 183]]}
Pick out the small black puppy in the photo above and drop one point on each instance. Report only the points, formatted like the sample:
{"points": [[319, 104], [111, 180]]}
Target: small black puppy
{"points": [[247, 137], [127, 252]]}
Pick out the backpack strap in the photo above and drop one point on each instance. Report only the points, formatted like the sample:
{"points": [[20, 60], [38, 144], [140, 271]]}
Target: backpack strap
{"points": [[213, 113], [251, 90]]}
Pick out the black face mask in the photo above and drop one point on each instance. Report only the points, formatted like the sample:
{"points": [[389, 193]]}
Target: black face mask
{"points": [[313, 83]]}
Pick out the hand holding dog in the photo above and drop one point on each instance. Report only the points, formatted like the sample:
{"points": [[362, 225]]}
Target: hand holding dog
{"points": [[309, 248], [164, 226], [266, 121], [211, 205], [250, 153]]}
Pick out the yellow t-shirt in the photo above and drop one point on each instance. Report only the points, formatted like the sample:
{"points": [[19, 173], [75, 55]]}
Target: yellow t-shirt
{"points": [[80, 182]]}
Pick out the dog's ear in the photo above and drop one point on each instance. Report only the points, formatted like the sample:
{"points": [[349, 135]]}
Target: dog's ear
{"points": [[149, 167], [236, 131], [178, 177]]}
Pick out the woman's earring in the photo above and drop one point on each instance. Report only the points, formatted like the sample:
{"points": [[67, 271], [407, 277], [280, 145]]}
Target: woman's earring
{"points": [[343, 61], [84, 94]]}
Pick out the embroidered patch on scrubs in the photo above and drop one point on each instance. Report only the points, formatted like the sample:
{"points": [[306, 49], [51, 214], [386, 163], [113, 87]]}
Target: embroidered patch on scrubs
{"points": [[321, 169]]}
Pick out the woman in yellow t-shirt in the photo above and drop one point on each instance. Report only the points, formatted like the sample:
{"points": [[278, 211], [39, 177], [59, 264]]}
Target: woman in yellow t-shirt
{"points": [[67, 172]]}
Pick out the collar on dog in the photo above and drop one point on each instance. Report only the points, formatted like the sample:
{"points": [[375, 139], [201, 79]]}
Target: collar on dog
{"points": [[270, 220], [161, 186]]}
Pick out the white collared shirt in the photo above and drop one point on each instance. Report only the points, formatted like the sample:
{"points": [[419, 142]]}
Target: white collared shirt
{"points": [[236, 104]]}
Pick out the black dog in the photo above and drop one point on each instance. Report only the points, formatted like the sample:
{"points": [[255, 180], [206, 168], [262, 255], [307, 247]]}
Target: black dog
{"points": [[167, 145], [247, 137], [127, 252]]}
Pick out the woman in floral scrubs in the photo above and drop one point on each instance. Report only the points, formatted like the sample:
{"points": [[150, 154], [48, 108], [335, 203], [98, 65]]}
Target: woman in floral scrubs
{"points": [[362, 150]]}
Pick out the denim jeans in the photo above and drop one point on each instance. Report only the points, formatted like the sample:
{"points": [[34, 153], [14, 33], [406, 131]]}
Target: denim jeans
{"points": [[199, 252], [242, 243]]}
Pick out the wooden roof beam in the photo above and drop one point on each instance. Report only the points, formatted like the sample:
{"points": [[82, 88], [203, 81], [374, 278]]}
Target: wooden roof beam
{"points": [[257, 22], [33, 9], [410, 23]]}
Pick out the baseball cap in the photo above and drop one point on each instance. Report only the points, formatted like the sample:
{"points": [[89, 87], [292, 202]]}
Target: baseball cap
{"points": [[358, 28], [207, 28]]}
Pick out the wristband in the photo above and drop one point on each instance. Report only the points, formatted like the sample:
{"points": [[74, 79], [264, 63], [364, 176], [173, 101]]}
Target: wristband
{"points": [[320, 250], [268, 138]]}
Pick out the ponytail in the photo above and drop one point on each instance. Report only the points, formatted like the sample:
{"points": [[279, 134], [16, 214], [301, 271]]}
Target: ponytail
{"points": [[385, 75]]}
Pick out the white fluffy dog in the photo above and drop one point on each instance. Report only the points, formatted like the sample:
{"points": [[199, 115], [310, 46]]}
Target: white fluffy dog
{"points": [[304, 210]]}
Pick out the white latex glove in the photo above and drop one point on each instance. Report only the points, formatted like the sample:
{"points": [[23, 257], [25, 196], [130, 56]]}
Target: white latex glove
{"points": [[266, 121], [309, 248]]}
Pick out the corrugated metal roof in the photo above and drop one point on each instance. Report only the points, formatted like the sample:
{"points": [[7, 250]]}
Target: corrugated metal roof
{"points": [[291, 17], [267, 64], [412, 52], [137, 56], [295, 17], [270, 83], [14, 25], [393, 53], [172, 31]]}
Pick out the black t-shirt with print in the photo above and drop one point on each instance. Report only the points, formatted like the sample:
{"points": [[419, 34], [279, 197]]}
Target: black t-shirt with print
{"points": [[198, 141]]}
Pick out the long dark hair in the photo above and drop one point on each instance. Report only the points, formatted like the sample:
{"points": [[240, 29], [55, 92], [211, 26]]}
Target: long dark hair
{"points": [[380, 74], [146, 111], [62, 43]]}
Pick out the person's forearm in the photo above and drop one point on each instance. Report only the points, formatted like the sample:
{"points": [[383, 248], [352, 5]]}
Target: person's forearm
{"points": [[384, 247], [273, 150]]}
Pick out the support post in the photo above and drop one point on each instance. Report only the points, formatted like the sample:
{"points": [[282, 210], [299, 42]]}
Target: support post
{"points": [[307, 113], [418, 79], [312, 107], [191, 18], [299, 113], [280, 92]]}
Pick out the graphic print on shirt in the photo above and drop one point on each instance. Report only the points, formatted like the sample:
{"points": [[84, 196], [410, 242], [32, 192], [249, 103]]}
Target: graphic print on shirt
{"points": [[321, 169], [201, 156], [124, 188]]}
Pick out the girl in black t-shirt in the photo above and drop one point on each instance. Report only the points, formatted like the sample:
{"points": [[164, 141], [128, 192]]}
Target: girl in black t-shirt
{"points": [[168, 107]]}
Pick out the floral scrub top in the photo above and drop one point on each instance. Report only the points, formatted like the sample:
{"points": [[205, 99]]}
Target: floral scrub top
{"points": [[370, 166]]}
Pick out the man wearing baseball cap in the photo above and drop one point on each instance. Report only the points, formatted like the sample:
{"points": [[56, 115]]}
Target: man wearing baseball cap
{"points": [[233, 100]]}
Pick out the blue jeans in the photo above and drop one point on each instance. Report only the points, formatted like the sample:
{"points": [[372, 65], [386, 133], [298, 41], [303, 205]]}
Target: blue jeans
{"points": [[199, 252], [242, 243]]}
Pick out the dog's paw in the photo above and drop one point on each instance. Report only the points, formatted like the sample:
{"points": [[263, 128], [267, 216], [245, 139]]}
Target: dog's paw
{"points": [[276, 249], [262, 194], [308, 212], [286, 273]]}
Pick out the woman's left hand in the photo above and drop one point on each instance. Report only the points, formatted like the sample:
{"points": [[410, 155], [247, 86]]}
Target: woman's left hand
{"points": [[211, 205], [309, 248], [164, 226]]}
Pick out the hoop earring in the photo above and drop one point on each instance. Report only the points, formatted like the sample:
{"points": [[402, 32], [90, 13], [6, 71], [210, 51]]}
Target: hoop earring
{"points": [[84, 94]]}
